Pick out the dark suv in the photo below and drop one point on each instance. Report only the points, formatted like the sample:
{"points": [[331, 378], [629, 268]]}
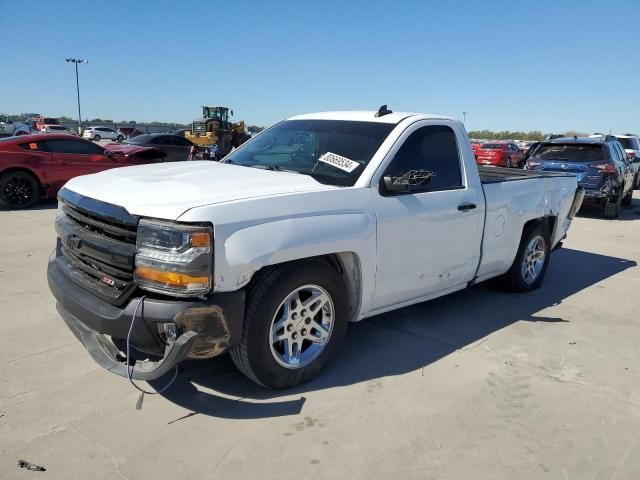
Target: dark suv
{"points": [[600, 163]]}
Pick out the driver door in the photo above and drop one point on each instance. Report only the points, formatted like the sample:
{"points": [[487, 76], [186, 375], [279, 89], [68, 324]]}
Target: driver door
{"points": [[75, 157], [429, 236]]}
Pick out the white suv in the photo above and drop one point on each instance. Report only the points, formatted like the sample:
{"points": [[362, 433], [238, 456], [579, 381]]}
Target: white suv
{"points": [[631, 145], [98, 133]]}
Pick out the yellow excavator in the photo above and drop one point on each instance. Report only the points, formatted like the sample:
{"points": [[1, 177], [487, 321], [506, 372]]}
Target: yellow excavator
{"points": [[215, 128]]}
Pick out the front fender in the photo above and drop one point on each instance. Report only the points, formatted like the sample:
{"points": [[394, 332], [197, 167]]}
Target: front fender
{"points": [[245, 251]]}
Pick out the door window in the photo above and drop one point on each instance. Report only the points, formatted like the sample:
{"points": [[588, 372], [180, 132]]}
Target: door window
{"points": [[77, 147], [433, 148], [162, 140], [180, 141], [35, 146]]}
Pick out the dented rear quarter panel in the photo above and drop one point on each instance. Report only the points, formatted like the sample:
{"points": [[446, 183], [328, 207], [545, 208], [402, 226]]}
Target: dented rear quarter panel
{"points": [[510, 205]]}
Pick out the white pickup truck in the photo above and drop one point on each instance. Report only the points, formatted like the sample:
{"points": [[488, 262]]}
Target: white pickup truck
{"points": [[320, 220]]}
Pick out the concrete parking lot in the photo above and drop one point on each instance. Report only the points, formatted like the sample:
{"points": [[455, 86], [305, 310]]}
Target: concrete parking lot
{"points": [[477, 385]]}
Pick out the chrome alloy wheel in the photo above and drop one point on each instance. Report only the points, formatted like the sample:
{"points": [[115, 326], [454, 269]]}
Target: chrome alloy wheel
{"points": [[534, 258], [302, 326]]}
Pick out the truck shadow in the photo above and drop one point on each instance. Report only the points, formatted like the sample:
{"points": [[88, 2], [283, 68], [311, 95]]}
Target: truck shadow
{"points": [[394, 343], [48, 204]]}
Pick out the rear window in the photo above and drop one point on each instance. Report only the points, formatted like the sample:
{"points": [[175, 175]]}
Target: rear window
{"points": [[53, 121], [630, 143], [493, 146], [56, 127], [570, 153]]}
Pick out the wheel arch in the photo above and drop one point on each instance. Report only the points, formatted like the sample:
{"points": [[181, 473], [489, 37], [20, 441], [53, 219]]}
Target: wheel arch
{"points": [[25, 170], [346, 264], [548, 221]]}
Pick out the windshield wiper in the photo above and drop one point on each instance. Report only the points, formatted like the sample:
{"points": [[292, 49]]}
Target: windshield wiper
{"points": [[273, 167]]}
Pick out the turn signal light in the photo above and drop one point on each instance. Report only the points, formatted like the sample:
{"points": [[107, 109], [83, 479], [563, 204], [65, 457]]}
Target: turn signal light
{"points": [[172, 279]]}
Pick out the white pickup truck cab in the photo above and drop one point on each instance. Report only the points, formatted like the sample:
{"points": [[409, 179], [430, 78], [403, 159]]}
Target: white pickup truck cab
{"points": [[320, 220]]}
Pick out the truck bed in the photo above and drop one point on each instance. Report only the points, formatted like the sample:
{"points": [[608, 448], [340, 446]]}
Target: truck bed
{"points": [[499, 174]]}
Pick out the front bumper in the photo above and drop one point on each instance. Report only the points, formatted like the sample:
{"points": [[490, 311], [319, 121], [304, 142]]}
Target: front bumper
{"points": [[206, 327]]}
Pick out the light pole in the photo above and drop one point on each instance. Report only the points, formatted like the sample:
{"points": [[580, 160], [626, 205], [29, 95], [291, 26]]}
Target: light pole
{"points": [[464, 118], [77, 61]]}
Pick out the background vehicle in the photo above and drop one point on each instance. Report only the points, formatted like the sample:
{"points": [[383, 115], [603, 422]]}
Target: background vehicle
{"points": [[215, 128], [181, 132], [501, 154], [631, 145], [599, 163], [129, 132], [476, 144], [36, 166], [56, 129], [175, 147], [98, 133], [38, 122], [319, 220], [9, 128]]}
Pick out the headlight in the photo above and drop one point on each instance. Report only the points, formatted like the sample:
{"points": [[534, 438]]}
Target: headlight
{"points": [[174, 259]]}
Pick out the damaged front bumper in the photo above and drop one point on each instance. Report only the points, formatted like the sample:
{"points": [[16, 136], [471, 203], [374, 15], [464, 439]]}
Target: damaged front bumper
{"points": [[205, 327]]}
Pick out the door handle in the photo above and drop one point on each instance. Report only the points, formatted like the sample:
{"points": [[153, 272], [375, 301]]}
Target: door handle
{"points": [[463, 207]]}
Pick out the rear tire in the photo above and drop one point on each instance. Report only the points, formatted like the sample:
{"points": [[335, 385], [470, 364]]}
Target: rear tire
{"points": [[119, 138], [531, 262], [612, 209], [97, 138], [18, 189], [626, 201], [268, 362]]}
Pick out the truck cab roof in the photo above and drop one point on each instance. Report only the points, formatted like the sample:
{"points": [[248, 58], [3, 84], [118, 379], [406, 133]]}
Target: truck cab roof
{"points": [[368, 116]]}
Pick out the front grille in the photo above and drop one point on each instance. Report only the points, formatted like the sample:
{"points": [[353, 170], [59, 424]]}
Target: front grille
{"points": [[200, 128], [97, 244]]}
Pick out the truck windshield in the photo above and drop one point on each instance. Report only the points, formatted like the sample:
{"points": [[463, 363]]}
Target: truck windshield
{"points": [[569, 152], [334, 152]]}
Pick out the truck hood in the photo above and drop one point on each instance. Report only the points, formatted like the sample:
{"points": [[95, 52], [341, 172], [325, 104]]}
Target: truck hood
{"points": [[167, 190]]}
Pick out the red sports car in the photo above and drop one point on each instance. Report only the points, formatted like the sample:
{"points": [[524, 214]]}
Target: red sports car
{"points": [[37, 166]]}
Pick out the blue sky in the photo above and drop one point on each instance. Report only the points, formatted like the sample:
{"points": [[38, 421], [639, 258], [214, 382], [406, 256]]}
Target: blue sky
{"points": [[534, 65]]}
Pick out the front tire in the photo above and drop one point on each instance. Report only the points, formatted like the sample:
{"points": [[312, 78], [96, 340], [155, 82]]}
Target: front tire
{"points": [[19, 189], [295, 320], [532, 259], [119, 138]]}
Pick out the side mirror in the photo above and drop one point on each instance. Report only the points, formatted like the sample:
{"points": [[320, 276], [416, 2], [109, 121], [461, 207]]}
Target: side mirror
{"points": [[394, 184], [408, 181]]}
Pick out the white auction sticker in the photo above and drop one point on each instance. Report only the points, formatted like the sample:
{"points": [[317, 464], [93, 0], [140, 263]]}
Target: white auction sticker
{"points": [[343, 163]]}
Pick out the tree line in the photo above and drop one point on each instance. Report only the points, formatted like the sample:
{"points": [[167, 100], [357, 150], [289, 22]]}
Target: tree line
{"points": [[534, 135]]}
